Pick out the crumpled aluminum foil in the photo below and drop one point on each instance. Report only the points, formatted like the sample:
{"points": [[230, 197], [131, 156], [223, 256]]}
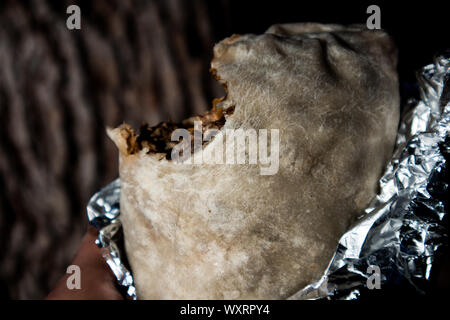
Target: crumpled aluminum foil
{"points": [[103, 211], [401, 231]]}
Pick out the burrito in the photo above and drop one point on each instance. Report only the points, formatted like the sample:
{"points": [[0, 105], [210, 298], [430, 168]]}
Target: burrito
{"points": [[249, 200]]}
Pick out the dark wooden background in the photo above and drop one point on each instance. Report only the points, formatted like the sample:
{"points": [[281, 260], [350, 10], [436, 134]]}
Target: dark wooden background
{"points": [[135, 61]]}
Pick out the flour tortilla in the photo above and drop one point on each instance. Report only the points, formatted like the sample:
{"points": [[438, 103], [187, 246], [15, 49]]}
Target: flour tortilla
{"points": [[228, 232]]}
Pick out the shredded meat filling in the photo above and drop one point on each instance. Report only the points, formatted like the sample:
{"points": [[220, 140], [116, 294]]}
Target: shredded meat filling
{"points": [[157, 139]]}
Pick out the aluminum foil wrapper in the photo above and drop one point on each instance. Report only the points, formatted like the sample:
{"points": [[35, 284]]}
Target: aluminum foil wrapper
{"points": [[399, 235], [103, 211]]}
